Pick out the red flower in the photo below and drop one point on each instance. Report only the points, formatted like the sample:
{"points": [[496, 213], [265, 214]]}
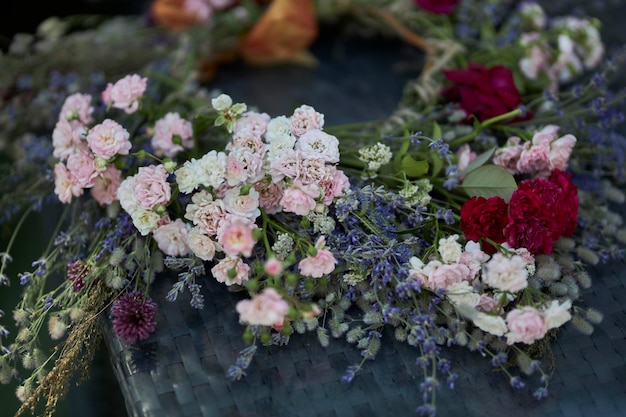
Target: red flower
{"points": [[437, 6], [133, 317], [484, 218], [530, 221], [567, 206], [483, 92]]}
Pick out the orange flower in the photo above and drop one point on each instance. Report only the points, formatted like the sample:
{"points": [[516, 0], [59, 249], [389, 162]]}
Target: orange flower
{"points": [[282, 34], [171, 14]]}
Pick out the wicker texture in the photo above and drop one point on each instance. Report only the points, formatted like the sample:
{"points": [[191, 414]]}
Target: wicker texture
{"points": [[180, 370]]}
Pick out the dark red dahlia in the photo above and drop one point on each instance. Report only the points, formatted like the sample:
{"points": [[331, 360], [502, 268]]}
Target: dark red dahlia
{"points": [[438, 6], [133, 317]]}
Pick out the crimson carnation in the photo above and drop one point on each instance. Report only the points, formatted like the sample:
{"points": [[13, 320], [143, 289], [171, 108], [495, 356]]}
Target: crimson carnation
{"points": [[438, 6], [484, 218], [533, 224], [483, 92], [567, 206], [133, 317]]}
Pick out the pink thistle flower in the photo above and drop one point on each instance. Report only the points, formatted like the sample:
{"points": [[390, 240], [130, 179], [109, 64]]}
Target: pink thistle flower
{"points": [[76, 273], [133, 317]]}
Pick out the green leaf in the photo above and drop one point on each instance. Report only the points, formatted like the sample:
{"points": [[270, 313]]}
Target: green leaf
{"points": [[177, 140], [437, 131], [480, 160], [437, 162], [413, 168], [488, 181]]}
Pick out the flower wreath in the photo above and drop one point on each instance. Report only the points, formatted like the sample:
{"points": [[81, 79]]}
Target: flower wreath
{"points": [[467, 218]]}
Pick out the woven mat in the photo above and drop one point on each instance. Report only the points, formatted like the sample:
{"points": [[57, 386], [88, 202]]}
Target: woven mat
{"points": [[180, 370]]}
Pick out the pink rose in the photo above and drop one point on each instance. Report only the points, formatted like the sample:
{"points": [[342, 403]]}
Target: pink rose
{"points": [[300, 198], [446, 275], [206, 213], [246, 205], [66, 138], [560, 151], [220, 271], [82, 166], [201, 245], [246, 138], [236, 237], [270, 195], [525, 325], [108, 139], [273, 267], [64, 185], [323, 263], [151, 186], [172, 238], [535, 159], [317, 144], [125, 93], [77, 107], [305, 118], [265, 309], [464, 156], [486, 303], [508, 156], [255, 122], [287, 164], [164, 131], [107, 183], [335, 186]]}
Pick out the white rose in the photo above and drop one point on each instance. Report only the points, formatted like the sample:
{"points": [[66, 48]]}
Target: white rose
{"points": [[449, 249], [494, 325], [145, 220], [462, 293], [201, 245], [557, 314]]}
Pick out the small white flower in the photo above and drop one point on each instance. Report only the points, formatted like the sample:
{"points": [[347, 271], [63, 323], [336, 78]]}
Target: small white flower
{"points": [[494, 325], [222, 102], [557, 314], [449, 249]]}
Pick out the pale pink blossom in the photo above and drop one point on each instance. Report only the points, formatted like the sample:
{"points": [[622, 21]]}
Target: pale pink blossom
{"points": [[253, 121], [164, 131], [171, 238], [506, 273], [270, 195], [246, 205], [126, 195], [334, 185], [151, 186], [525, 325], [246, 138], [66, 138], [265, 309], [473, 257], [200, 9], [494, 325], [317, 144], [126, 93], [273, 267], [108, 139], [464, 156], [535, 158], [107, 183], [206, 213], [64, 185], [314, 170], [144, 220], [568, 64], [287, 164], [202, 245], [243, 166], [279, 129], [487, 303], [323, 263], [305, 118], [462, 293], [508, 156], [106, 95], [299, 198], [82, 166], [77, 107], [230, 263], [557, 314], [445, 275], [236, 237], [560, 151], [450, 249]]}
